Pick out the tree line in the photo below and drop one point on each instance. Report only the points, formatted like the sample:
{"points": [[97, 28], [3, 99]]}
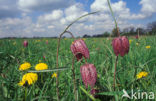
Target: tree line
{"points": [[129, 31]]}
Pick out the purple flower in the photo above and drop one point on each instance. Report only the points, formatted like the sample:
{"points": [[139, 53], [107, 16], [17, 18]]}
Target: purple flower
{"points": [[88, 74], [46, 41], [137, 37], [25, 43], [94, 91], [120, 45], [79, 49]]}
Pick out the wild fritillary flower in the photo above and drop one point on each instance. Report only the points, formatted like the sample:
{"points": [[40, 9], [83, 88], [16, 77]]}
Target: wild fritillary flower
{"points": [[24, 66], [46, 41], [141, 75], [79, 49], [28, 79], [25, 43], [137, 37], [41, 66], [88, 74], [120, 45]]}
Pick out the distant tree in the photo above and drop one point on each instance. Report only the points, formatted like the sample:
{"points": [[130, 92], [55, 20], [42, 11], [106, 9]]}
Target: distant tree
{"points": [[132, 30], [106, 34], [86, 36], [115, 32], [151, 27], [141, 31], [126, 30]]}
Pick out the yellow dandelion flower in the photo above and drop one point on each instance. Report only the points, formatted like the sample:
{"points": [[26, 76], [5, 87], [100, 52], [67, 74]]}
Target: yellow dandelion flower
{"points": [[147, 47], [130, 41], [41, 66], [14, 43], [141, 75], [39, 61], [54, 75], [24, 66], [137, 44], [28, 79], [84, 39]]}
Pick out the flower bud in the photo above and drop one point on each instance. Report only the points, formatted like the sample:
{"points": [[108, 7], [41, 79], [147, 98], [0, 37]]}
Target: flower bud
{"points": [[79, 49], [88, 74], [120, 45], [94, 91], [25, 43], [137, 37], [46, 41]]}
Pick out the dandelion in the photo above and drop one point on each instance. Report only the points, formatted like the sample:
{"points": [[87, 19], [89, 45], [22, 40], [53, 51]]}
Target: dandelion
{"points": [[54, 75], [39, 61], [28, 79], [137, 44], [14, 43], [147, 47], [130, 41], [84, 39], [141, 75], [41, 66], [24, 66]]}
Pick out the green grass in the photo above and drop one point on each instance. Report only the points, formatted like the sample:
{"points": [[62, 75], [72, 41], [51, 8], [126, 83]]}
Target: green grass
{"points": [[13, 54]]}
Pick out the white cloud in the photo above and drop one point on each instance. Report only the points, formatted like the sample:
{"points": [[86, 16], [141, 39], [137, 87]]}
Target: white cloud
{"points": [[122, 12], [43, 5], [54, 15], [74, 12], [148, 7], [55, 19]]}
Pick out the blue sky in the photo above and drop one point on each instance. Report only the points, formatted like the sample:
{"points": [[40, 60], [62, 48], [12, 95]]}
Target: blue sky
{"points": [[29, 18]]}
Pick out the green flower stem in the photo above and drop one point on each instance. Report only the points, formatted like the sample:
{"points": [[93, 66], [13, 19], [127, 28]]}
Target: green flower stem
{"points": [[88, 94], [25, 98], [116, 60], [58, 46], [116, 25], [41, 77], [74, 80]]}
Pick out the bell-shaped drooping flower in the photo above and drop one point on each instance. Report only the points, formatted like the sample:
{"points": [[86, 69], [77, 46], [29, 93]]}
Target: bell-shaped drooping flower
{"points": [[88, 74], [46, 41], [79, 49], [94, 91], [120, 45], [137, 37], [25, 43]]}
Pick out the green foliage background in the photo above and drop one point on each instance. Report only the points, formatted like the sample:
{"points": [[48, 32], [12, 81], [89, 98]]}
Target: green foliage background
{"points": [[13, 54]]}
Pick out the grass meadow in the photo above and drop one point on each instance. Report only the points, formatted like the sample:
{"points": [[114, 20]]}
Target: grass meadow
{"points": [[140, 58]]}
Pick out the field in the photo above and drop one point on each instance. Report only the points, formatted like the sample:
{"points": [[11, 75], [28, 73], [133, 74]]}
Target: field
{"points": [[140, 58]]}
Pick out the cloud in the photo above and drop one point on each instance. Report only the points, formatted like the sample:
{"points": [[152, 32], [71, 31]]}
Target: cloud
{"points": [[54, 15], [8, 8], [148, 7], [55, 19], [15, 27], [43, 5]]}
